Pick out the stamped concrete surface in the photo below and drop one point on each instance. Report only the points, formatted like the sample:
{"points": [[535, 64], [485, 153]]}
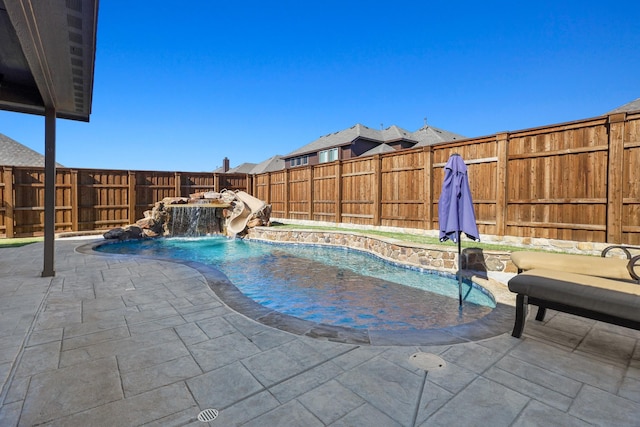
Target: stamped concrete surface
{"points": [[114, 341]]}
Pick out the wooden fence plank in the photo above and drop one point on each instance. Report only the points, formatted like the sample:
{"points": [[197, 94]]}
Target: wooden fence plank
{"points": [[74, 200], [501, 182], [377, 189], [9, 202], [615, 178], [428, 182]]}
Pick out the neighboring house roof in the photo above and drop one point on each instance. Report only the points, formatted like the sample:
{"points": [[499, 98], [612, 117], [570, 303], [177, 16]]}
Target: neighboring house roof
{"points": [[272, 164], [630, 106], [427, 135], [241, 168], [12, 153], [343, 137], [394, 133], [424, 136], [380, 149]]}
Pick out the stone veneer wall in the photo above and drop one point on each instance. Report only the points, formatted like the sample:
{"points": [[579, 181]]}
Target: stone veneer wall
{"points": [[437, 257], [529, 243]]}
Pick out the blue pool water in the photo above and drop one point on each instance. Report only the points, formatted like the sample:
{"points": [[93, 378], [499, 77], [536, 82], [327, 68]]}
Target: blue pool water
{"points": [[335, 286]]}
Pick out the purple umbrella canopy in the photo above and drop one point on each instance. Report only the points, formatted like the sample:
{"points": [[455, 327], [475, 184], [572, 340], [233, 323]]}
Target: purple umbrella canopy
{"points": [[455, 206]]}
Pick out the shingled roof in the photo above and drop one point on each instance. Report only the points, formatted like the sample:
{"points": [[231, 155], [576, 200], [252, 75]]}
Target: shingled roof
{"points": [[380, 149], [12, 153], [630, 106], [274, 163], [342, 137], [427, 135], [241, 168]]}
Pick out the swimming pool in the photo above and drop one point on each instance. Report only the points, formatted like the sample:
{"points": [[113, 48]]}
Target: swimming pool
{"points": [[327, 285]]}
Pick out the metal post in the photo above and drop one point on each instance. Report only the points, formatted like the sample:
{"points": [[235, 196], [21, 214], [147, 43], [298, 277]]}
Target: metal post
{"points": [[49, 191], [460, 268]]}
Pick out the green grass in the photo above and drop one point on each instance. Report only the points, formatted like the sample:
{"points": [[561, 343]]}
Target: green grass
{"points": [[20, 241], [411, 238], [405, 237]]}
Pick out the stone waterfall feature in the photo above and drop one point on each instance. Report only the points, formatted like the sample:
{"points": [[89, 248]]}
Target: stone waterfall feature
{"points": [[201, 214], [192, 220]]}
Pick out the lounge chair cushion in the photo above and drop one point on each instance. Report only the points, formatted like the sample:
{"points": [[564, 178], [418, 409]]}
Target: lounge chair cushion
{"points": [[612, 297], [610, 267]]}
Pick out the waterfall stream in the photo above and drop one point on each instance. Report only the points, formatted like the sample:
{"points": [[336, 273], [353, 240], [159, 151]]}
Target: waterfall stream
{"points": [[192, 220]]}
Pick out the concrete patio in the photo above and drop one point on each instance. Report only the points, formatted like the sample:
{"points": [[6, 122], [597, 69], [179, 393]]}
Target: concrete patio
{"points": [[113, 341]]}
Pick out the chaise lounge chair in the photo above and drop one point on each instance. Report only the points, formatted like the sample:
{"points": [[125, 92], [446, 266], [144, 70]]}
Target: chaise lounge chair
{"points": [[612, 267], [601, 288]]}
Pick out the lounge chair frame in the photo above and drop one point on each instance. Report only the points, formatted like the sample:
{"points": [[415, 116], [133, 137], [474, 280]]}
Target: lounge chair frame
{"points": [[522, 301], [633, 260]]}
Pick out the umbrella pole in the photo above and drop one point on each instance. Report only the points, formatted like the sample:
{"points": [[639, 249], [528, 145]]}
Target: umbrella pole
{"points": [[459, 268]]}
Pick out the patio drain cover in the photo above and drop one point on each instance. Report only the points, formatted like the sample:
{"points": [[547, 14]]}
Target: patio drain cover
{"points": [[208, 415], [427, 361]]}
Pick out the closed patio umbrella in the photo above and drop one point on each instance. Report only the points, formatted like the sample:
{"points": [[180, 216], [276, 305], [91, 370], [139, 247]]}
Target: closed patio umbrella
{"points": [[455, 209]]}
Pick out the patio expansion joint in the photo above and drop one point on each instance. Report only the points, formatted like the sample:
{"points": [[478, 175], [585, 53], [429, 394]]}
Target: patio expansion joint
{"points": [[283, 380], [480, 374], [416, 410], [16, 361]]}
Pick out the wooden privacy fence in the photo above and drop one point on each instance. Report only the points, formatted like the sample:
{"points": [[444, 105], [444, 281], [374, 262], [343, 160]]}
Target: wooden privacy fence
{"points": [[89, 199], [577, 181]]}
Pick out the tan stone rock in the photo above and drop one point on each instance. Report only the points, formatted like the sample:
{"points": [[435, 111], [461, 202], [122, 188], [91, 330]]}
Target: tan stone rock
{"points": [[437, 263], [494, 264], [562, 244], [146, 223], [585, 246], [149, 233], [450, 265], [254, 222]]}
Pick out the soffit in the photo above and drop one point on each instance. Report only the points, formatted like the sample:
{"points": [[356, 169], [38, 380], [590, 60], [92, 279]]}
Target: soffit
{"points": [[47, 56]]}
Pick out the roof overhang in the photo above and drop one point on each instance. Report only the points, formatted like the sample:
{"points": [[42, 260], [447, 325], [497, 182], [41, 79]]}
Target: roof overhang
{"points": [[47, 56]]}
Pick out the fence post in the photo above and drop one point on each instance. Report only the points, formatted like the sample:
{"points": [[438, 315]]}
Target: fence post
{"points": [[310, 192], [502, 141], [268, 192], [338, 183], [132, 197], [428, 188], [216, 182], [9, 201], [247, 184], [286, 194], [74, 200], [615, 178], [377, 190], [177, 184]]}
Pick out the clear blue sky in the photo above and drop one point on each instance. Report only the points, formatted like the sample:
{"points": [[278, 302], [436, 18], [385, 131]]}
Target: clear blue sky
{"points": [[180, 85]]}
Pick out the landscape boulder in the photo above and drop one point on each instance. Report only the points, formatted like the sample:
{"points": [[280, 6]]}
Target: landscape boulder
{"points": [[156, 221]]}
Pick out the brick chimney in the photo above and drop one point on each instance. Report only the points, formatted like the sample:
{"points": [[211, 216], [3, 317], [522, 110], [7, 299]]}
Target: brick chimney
{"points": [[225, 164]]}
